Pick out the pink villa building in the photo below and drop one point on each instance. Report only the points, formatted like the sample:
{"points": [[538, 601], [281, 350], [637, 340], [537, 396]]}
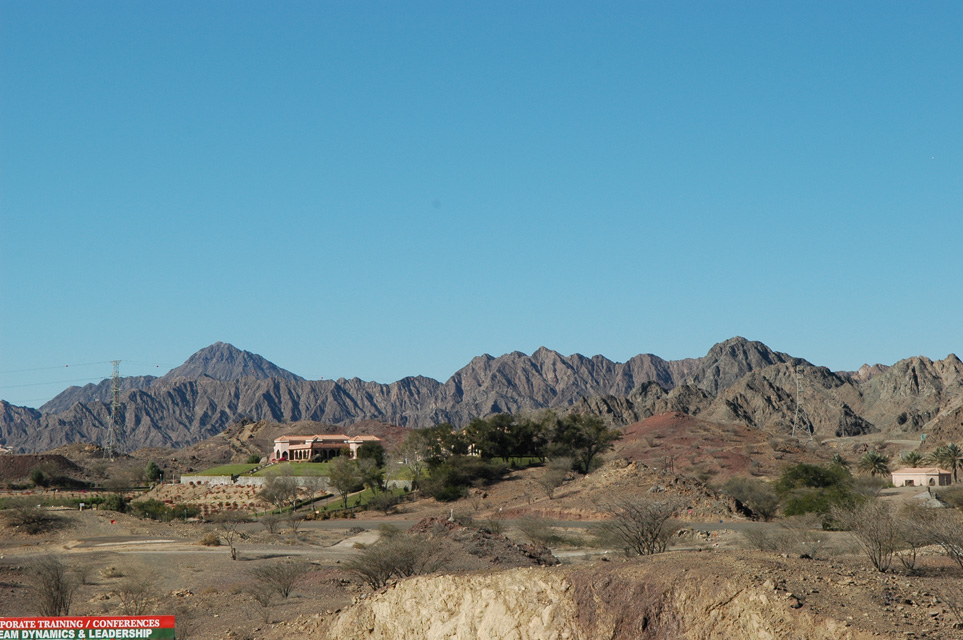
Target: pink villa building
{"points": [[922, 477], [327, 446]]}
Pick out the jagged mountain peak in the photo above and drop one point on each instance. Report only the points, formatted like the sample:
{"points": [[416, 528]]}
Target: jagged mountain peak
{"points": [[223, 361], [728, 361]]}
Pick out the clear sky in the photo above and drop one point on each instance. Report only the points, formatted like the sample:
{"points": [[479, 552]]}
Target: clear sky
{"points": [[382, 189]]}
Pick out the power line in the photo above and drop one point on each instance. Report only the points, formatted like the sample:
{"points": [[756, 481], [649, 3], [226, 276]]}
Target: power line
{"points": [[44, 384], [82, 364]]}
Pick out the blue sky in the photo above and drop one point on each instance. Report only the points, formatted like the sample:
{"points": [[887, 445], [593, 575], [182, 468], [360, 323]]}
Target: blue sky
{"points": [[389, 189]]}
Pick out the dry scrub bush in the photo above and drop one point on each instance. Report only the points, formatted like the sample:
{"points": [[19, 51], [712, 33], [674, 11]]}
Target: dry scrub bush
{"points": [[229, 522], [764, 539], [263, 595], [30, 518], [136, 594], [805, 535], [396, 556], [554, 476], [281, 578], [875, 528], [53, 586], [211, 539], [945, 528], [294, 520], [538, 530], [271, 522], [640, 526]]}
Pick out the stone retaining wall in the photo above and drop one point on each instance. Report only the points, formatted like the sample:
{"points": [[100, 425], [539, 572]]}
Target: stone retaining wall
{"points": [[249, 481]]}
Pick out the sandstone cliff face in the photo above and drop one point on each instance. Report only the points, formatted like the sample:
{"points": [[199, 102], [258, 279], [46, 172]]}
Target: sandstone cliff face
{"points": [[696, 598]]}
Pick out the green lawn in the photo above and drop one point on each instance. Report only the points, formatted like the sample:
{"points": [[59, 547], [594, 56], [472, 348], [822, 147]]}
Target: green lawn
{"points": [[296, 469], [227, 470]]}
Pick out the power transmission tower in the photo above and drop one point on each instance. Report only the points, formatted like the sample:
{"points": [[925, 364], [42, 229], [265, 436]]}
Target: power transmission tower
{"points": [[115, 429], [795, 419]]}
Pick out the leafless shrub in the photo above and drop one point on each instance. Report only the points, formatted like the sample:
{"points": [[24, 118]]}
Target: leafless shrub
{"points": [[495, 524], [475, 497], [53, 586], [945, 528], [263, 595], [396, 556], [384, 502], [875, 527], [271, 522], [294, 520], [555, 476], [951, 595], [30, 518], [640, 526], [764, 538], [186, 621], [282, 577], [136, 594], [278, 490], [229, 523], [538, 530], [804, 533], [82, 573], [911, 536]]}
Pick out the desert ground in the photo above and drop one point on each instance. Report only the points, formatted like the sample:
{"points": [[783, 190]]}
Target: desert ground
{"points": [[809, 582]]}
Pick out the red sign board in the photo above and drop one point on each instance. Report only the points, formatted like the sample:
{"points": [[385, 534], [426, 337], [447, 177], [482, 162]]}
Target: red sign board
{"points": [[87, 628]]}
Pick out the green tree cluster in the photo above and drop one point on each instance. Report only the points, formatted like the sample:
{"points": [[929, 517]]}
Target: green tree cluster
{"points": [[152, 472], [156, 510], [478, 454], [756, 495], [809, 488]]}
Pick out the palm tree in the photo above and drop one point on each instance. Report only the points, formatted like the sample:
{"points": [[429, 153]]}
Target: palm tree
{"points": [[839, 461], [874, 463], [911, 459], [949, 456]]}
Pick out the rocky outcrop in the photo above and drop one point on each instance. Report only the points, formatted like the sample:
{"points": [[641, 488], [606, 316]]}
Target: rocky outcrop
{"points": [[646, 400], [767, 399], [913, 392], [727, 362], [700, 598]]}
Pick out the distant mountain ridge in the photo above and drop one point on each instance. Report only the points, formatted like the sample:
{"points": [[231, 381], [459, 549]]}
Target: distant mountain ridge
{"points": [[738, 380], [223, 361]]}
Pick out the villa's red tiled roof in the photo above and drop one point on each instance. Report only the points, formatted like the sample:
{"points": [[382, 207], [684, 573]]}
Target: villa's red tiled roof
{"points": [[328, 437]]}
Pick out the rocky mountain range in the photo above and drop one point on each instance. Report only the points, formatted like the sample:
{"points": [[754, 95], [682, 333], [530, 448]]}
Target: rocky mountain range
{"points": [[737, 381]]}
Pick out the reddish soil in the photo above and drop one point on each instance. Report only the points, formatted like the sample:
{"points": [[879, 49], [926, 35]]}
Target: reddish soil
{"points": [[684, 444]]}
